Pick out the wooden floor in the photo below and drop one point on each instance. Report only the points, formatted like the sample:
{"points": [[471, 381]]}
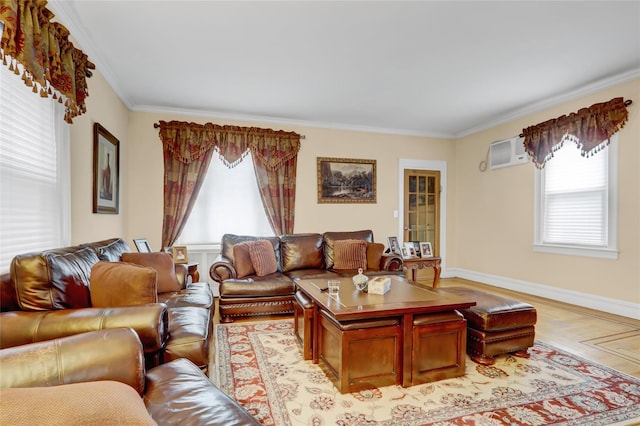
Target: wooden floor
{"points": [[602, 337]]}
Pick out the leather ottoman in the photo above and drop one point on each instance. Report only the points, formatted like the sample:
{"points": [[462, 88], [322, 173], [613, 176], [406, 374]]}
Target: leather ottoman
{"points": [[496, 325]]}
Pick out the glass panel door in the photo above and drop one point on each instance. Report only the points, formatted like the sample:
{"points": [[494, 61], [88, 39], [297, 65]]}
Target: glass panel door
{"points": [[422, 207]]}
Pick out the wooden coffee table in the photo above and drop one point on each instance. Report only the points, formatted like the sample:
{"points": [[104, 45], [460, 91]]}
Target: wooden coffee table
{"points": [[402, 303]]}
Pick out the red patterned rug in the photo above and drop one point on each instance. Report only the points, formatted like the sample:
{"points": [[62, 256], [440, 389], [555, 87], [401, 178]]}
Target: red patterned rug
{"points": [[260, 365]]}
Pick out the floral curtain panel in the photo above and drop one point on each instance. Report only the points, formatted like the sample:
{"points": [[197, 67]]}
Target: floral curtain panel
{"points": [[187, 151], [591, 128], [50, 62]]}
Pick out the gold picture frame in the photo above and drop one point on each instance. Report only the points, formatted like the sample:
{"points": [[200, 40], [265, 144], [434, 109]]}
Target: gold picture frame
{"points": [[345, 180], [180, 254], [106, 171]]}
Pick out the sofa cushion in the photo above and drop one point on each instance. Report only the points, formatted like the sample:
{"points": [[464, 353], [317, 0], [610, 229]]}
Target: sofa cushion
{"points": [[350, 254], [162, 263], [301, 251], [331, 237], [242, 259], [229, 240], [115, 284], [263, 257], [91, 403], [374, 254]]}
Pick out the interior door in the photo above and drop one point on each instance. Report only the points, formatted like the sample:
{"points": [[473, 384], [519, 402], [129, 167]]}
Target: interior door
{"points": [[422, 207]]}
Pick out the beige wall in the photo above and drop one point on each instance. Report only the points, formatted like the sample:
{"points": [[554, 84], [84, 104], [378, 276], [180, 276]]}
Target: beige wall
{"points": [[489, 218], [145, 192], [494, 214], [106, 108]]}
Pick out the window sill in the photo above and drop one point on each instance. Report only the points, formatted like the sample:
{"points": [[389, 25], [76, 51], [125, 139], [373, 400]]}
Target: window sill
{"points": [[601, 253]]}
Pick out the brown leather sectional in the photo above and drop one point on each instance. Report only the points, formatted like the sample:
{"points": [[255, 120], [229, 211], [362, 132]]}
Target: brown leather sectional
{"points": [[46, 296], [175, 393], [298, 256]]}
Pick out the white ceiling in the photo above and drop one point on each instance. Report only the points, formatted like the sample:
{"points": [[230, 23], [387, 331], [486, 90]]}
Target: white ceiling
{"points": [[430, 68]]}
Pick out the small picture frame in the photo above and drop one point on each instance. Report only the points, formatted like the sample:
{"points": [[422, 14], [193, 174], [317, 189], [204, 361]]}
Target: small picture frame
{"points": [[426, 250], [409, 249], [168, 250], [416, 248], [394, 246], [180, 254], [142, 245]]}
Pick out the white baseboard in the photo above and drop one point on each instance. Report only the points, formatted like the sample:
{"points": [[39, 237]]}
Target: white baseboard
{"points": [[605, 304]]}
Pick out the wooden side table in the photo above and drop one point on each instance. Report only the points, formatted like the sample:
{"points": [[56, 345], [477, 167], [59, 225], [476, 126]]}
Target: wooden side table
{"points": [[416, 263]]}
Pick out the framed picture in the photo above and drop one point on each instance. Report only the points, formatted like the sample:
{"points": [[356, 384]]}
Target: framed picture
{"points": [[416, 248], [410, 249], [394, 246], [342, 180], [180, 254], [426, 250], [142, 245], [106, 171]]}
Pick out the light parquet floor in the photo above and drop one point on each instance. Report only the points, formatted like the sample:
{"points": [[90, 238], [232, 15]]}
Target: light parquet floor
{"points": [[605, 338]]}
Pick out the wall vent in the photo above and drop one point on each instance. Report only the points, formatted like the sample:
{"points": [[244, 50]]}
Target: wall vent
{"points": [[508, 152]]}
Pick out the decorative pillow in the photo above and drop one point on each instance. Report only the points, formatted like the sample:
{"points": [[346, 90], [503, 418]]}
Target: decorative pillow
{"points": [[350, 254], [242, 259], [115, 284], [374, 254], [263, 258], [92, 403], [162, 263]]}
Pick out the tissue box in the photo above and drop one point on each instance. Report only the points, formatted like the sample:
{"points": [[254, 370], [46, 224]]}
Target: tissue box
{"points": [[379, 285]]}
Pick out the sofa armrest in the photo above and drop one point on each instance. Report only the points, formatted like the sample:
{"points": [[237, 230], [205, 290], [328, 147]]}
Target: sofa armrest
{"points": [[150, 322], [222, 269], [178, 392], [391, 262], [182, 274], [114, 354]]}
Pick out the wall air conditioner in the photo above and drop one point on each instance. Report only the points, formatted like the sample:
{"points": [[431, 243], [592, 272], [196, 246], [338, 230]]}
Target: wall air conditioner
{"points": [[508, 152]]}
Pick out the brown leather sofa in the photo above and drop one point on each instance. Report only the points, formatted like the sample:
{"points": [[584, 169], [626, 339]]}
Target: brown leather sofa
{"points": [[298, 256], [99, 377], [46, 295]]}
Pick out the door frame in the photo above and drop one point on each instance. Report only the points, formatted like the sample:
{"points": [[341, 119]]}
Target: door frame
{"points": [[441, 166]]}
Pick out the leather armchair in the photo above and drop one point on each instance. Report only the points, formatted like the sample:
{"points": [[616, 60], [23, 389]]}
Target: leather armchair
{"points": [[175, 393]]}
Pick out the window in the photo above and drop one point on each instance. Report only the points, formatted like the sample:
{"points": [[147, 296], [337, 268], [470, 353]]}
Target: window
{"points": [[229, 202], [34, 171], [576, 203]]}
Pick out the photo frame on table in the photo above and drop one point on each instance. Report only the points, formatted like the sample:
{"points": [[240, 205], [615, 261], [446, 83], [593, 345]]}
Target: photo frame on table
{"points": [[344, 180], [180, 254], [106, 171], [142, 245], [409, 250], [394, 246], [426, 250], [416, 248]]}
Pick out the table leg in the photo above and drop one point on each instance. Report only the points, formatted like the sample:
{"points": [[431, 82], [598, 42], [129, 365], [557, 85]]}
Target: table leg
{"points": [[407, 349], [316, 331], [436, 275]]}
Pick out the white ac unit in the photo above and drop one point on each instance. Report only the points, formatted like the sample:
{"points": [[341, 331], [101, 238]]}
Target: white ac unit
{"points": [[508, 152]]}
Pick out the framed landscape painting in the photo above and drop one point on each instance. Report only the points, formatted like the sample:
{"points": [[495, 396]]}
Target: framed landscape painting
{"points": [[106, 171], [343, 180]]}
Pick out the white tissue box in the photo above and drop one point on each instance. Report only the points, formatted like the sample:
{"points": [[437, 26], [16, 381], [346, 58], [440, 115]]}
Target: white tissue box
{"points": [[379, 285]]}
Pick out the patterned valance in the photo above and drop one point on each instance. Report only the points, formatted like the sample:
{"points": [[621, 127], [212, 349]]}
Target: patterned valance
{"points": [[190, 141], [49, 61], [591, 128]]}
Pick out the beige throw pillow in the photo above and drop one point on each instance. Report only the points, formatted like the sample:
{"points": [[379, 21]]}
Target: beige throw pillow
{"points": [[115, 284], [162, 263], [242, 259]]}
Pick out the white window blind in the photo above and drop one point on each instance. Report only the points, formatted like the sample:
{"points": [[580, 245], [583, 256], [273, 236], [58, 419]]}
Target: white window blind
{"points": [[577, 200], [34, 171], [229, 202]]}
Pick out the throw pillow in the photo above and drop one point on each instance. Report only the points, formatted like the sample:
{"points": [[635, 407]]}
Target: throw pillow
{"points": [[374, 254], [91, 403], [350, 254], [263, 258], [242, 259], [162, 263], [115, 284]]}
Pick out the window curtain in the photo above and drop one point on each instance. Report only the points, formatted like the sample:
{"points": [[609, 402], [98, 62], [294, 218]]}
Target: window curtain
{"points": [[591, 128], [187, 152], [49, 61]]}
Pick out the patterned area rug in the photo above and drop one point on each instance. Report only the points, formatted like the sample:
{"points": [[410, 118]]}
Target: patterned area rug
{"points": [[260, 365]]}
